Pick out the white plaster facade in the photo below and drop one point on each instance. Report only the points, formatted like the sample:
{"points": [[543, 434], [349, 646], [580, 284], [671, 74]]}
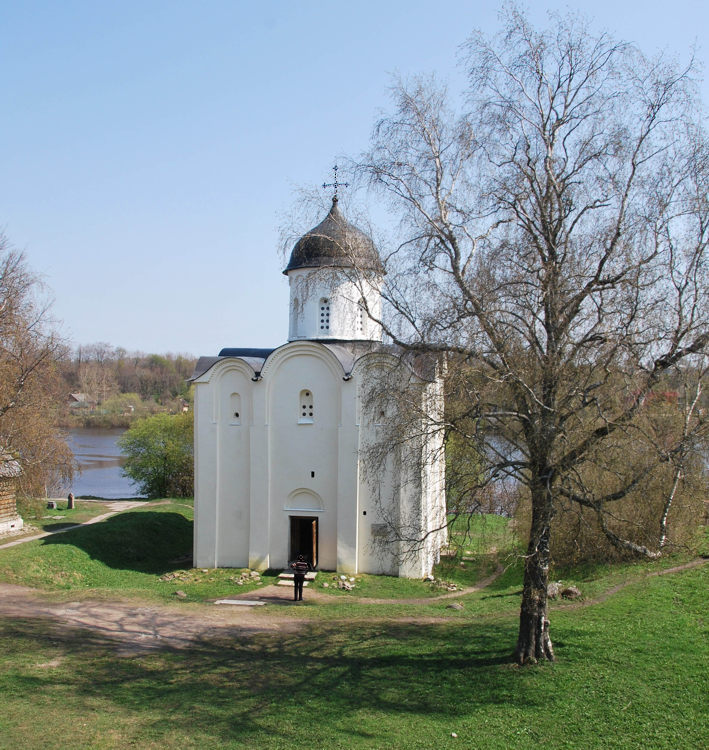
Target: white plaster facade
{"points": [[330, 304], [279, 439]]}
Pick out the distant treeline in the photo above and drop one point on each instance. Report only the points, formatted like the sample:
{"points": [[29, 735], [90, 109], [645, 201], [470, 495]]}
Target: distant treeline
{"points": [[109, 386]]}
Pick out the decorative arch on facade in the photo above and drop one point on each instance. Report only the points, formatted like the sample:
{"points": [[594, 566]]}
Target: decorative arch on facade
{"points": [[220, 368], [382, 362], [304, 501], [215, 376], [297, 348]]}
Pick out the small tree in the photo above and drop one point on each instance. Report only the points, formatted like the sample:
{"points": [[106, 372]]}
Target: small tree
{"points": [[159, 455], [553, 239], [30, 382]]}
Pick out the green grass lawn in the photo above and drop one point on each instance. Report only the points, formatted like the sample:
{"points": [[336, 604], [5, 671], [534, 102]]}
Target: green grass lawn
{"points": [[39, 518], [631, 670], [631, 673], [135, 553]]}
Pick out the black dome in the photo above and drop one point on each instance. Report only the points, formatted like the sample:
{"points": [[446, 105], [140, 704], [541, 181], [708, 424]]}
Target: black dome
{"points": [[334, 242]]}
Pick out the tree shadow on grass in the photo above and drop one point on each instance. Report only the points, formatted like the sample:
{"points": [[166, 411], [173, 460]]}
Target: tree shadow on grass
{"points": [[502, 596], [144, 541], [253, 687], [58, 526]]}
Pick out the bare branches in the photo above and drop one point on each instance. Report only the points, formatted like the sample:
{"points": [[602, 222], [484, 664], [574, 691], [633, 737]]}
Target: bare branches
{"points": [[29, 380], [554, 243]]}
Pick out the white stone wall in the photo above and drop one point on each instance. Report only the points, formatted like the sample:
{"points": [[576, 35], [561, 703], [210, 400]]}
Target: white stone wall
{"points": [[348, 319], [303, 456], [255, 471], [232, 396], [406, 495], [205, 553]]}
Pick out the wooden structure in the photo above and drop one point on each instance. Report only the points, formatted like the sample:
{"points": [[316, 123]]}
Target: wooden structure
{"points": [[10, 521]]}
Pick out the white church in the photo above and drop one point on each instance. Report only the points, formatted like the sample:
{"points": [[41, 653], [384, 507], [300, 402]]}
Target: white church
{"points": [[281, 434]]}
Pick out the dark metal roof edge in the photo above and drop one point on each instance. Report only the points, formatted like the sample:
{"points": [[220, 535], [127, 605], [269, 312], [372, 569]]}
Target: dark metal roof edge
{"points": [[347, 352]]}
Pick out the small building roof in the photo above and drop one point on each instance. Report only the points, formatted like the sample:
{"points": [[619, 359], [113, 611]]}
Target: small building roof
{"points": [[9, 466], [245, 352], [335, 243]]}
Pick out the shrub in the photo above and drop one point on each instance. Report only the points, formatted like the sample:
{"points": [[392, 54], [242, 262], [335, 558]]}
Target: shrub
{"points": [[159, 455], [577, 535]]}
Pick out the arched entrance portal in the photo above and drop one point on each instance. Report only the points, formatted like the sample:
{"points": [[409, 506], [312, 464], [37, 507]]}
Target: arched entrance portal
{"points": [[304, 538]]}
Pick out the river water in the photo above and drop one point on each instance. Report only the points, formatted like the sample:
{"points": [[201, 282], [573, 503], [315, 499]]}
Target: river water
{"points": [[100, 461]]}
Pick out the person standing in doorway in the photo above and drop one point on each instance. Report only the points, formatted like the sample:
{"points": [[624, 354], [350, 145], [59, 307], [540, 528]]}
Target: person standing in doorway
{"points": [[300, 568]]}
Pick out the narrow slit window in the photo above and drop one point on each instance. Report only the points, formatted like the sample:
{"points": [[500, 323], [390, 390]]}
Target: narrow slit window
{"points": [[306, 407], [361, 318], [235, 409], [324, 313]]}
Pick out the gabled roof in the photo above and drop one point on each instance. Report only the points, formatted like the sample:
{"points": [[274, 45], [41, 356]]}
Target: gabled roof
{"points": [[9, 466]]}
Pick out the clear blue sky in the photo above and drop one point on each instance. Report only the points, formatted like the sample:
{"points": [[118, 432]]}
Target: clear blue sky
{"points": [[150, 150]]}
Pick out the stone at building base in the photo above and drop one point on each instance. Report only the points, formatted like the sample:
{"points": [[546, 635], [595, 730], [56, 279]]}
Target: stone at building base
{"points": [[286, 575], [9, 526], [290, 583]]}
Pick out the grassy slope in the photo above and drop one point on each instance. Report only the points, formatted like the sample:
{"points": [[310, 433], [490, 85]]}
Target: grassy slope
{"points": [[39, 518], [631, 671], [129, 553], [631, 674]]}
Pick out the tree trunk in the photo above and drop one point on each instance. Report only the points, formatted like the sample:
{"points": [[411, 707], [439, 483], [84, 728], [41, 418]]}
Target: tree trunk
{"points": [[533, 642]]}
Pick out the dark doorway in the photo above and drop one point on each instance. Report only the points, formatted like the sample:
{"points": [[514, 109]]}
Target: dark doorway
{"points": [[304, 539]]}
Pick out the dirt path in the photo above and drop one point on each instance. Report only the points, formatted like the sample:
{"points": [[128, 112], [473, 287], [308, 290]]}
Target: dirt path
{"points": [[451, 595], [137, 628], [624, 584], [276, 593], [134, 628]]}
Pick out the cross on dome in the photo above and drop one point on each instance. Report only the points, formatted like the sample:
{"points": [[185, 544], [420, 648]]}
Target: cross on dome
{"points": [[335, 184]]}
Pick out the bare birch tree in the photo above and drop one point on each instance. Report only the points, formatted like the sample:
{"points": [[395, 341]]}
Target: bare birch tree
{"points": [[553, 243]]}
